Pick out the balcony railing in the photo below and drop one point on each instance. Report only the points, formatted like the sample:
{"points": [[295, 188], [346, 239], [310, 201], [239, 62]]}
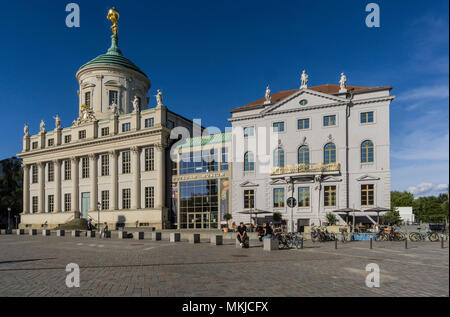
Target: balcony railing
{"points": [[306, 168]]}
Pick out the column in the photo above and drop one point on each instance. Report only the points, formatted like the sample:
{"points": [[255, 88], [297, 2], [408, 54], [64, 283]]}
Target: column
{"points": [[26, 189], [75, 187], [136, 169], [41, 203], [113, 157], [57, 164], [93, 158], [161, 166]]}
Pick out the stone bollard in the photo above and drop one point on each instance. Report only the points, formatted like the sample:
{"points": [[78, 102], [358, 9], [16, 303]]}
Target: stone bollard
{"points": [[194, 238], [175, 237], [122, 235], [138, 235], [20, 232], [156, 236], [336, 244], [371, 243], [216, 240], [271, 245], [60, 233], [107, 235], [32, 232], [76, 234], [90, 234], [46, 233], [406, 244]]}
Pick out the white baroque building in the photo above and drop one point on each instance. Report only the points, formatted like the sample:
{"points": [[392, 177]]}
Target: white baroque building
{"points": [[332, 151], [113, 159]]}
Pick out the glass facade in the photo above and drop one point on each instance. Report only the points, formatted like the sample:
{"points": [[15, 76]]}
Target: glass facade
{"points": [[195, 162], [199, 204]]}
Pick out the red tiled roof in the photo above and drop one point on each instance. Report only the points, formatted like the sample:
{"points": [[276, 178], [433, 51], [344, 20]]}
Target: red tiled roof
{"points": [[326, 89]]}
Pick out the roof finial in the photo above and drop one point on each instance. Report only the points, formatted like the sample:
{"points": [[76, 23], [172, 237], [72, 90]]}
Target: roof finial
{"points": [[113, 16]]}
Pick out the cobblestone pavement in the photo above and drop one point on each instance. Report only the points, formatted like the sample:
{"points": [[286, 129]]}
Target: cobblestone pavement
{"points": [[35, 266]]}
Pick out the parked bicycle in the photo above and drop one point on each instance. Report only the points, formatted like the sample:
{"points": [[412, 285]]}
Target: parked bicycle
{"points": [[390, 234], [321, 234], [295, 240], [419, 236], [282, 240]]}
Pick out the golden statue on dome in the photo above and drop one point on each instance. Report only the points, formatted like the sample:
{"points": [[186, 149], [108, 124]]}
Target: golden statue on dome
{"points": [[113, 16]]}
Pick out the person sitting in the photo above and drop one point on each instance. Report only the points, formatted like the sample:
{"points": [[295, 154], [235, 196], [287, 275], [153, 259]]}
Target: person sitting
{"points": [[268, 232], [242, 235]]}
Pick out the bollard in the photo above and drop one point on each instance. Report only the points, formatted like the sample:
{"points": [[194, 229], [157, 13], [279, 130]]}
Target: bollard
{"points": [[301, 244], [371, 243], [406, 244], [442, 243], [336, 244], [156, 236]]}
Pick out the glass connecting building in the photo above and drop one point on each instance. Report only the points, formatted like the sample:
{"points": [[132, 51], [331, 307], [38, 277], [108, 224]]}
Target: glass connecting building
{"points": [[201, 187]]}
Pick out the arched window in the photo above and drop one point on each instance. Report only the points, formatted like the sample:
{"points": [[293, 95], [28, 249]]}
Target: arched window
{"points": [[367, 152], [278, 158], [329, 153], [303, 155], [249, 162]]}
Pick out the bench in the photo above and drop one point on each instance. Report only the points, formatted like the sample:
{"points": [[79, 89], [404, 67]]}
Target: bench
{"points": [[194, 238], [175, 237], [271, 245]]}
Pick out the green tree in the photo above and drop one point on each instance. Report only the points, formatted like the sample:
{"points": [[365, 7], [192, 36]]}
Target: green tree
{"points": [[431, 209], [401, 199], [331, 218], [11, 183], [277, 217], [392, 217]]}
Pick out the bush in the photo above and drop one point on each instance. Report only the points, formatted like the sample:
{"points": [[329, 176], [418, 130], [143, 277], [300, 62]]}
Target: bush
{"points": [[331, 218]]}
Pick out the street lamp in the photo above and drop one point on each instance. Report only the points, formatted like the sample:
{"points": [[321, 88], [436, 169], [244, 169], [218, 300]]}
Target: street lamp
{"points": [[99, 207]]}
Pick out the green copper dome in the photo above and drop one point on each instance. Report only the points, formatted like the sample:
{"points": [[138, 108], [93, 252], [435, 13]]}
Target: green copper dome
{"points": [[113, 57]]}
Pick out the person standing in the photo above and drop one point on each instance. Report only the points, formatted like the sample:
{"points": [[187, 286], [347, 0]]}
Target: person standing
{"points": [[104, 230]]}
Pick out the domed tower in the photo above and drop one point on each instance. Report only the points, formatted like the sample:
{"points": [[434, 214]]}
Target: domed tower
{"points": [[110, 82]]}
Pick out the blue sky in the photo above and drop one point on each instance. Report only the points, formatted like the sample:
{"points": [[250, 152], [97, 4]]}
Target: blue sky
{"points": [[218, 55]]}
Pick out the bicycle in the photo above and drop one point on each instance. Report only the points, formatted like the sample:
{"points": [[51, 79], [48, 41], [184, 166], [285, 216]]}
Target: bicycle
{"points": [[294, 240], [419, 236], [282, 240]]}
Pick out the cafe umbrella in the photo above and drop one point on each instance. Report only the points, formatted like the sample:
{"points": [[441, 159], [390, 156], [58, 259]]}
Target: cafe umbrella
{"points": [[348, 211], [378, 210], [255, 212]]}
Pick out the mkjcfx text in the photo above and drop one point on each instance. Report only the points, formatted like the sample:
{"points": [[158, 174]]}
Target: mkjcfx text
{"points": [[242, 307]]}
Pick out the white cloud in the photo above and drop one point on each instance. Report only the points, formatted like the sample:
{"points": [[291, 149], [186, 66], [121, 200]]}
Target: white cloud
{"points": [[426, 93], [441, 188], [421, 189]]}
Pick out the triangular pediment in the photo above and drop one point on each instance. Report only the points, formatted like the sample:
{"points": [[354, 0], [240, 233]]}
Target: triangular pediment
{"points": [[368, 178], [304, 99], [278, 182], [248, 184], [331, 179]]}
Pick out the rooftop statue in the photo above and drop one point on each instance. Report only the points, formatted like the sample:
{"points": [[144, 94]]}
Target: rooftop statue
{"points": [[304, 79], [42, 127], [26, 130], [159, 98], [57, 122], [86, 115], [136, 105], [268, 96], [113, 16], [343, 83]]}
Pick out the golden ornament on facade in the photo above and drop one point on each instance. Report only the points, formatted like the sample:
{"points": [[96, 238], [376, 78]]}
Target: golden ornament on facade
{"points": [[113, 16]]}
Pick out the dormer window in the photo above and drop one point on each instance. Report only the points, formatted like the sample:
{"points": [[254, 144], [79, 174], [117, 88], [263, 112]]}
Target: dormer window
{"points": [[113, 97], [87, 98]]}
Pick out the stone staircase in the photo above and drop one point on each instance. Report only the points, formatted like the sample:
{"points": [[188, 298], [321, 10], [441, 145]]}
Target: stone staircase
{"points": [[75, 224]]}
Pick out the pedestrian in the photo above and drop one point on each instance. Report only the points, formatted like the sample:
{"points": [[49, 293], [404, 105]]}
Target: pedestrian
{"points": [[89, 225], [268, 231], [104, 230], [242, 235]]}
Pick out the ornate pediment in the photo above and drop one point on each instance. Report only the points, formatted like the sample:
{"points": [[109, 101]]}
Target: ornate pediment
{"points": [[86, 116], [278, 182], [331, 179], [87, 85], [248, 184], [113, 83], [367, 178]]}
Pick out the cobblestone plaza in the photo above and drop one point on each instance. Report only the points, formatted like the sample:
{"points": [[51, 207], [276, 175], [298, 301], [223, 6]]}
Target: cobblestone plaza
{"points": [[36, 266]]}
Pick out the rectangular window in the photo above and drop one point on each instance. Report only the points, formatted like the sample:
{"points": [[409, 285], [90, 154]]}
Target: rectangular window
{"points": [[126, 127], [51, 203], [149, 197], [303, 124], [67, 202], [330, 196], [35, 204], [67, 139], [51, 172], [224, 164], [126, 162], [249, 132], [51, 142], [67, 170], [329, 121], [34, 174], [367, 195], [278, 127], [105, 132], [85, 167], [249, 199], [304, 197], [367, 117], [82, 134], [35, 145], [126, 198], [149, 123], [105, 200], [113, 97], [278, 198], [105, 165], [149, 159], [174, 168], [87, 98]]}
